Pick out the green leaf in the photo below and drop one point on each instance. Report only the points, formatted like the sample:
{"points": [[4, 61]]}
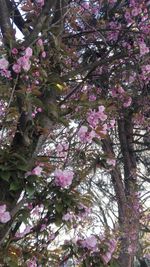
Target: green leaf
{"points": [[22, 167], [59, 207], [14, 186], [114, 264], [5, 175], [30, 189], [21, 158]]}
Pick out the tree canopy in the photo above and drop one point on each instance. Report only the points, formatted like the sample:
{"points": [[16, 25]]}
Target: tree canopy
{"points": [[74, 133]]}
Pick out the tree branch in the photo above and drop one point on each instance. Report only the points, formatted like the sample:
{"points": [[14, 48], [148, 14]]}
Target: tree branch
{"points": [[5, 24]]}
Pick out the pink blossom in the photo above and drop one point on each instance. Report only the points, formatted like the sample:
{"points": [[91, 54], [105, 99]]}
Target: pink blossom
{"points": [[43, 54], [43, 227], [107, 257], [3, 64], [120, 90], [112, 123], [37, 210], [135, 11], [111, 162], [40, 42], [24, 63], [92, 98], [14, 51], [101, 114], [39, 110], [16, 68], [113, 92], [111, 248], [28, 52], [6, 73], [4, 215], [26, 231], [32, 263], [92, 118], [63, 178], [37, 171], [67, 217], [127, 102], [26, 66], [89, 243], [84, 135], [143, 49], [82, 132], [2, 209], [112, 1], [40, 2]]}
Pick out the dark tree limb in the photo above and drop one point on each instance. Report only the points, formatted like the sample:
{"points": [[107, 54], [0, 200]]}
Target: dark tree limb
{"points": [[16, 15], [5, 24], [38, 25]]}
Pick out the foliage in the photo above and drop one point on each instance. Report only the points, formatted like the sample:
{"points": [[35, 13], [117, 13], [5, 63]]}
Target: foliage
{"points": [[74, 132]]}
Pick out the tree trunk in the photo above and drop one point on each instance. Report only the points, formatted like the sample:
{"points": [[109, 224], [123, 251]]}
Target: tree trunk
{"points": [[129, 224]]}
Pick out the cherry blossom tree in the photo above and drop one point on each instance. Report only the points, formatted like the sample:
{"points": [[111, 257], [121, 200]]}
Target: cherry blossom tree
{"points": [[74, 131]]}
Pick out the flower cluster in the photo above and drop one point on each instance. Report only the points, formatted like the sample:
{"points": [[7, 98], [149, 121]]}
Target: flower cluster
{"points": [[120, 94], [111, 247], [63, 178], [94, 117], [23, 62], [90, 243], [84, 134], [4, 215], [4, 64]]}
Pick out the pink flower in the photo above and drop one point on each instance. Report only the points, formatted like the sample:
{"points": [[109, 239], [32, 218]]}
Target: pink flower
{"points": [[82, 132], [4, 215], [26, 231], [63, 178], [43, 54], [92, 118], [89, 243], [101, 114], [37, 171], [67, 217], [135, 11], [3, 64], [28, 52], [111, 162], [84, 135], [16, 68], [24, 63], [143, 49], [32, 263], [43, 227], [112, 123], [127, 102], [40, 42], [39, 110], [40, 2], [92, 98], [107, 257], [14, 51], [26, 66], [2, 208]]}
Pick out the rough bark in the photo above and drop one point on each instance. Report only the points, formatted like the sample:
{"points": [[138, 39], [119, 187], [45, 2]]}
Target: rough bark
{"points": [[125, 190], [130, 224]]}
